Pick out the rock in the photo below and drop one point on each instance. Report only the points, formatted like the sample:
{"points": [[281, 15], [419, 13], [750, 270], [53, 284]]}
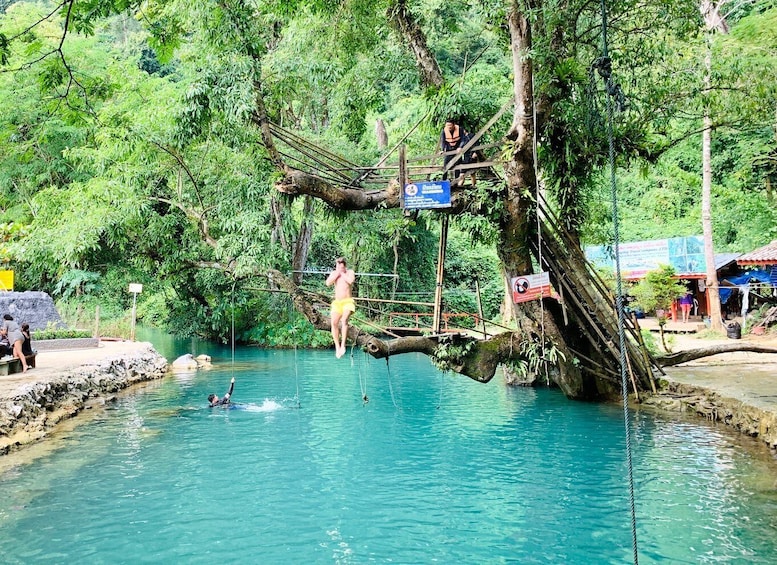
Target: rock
{"points": [[185, 362], [36, 407], [190, 362], [34, 307]]}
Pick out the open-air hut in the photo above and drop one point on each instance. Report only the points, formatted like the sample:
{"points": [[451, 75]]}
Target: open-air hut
{"points": [[763, 262]]}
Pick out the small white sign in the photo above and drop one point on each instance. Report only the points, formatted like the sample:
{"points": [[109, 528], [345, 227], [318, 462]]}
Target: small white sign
{"points": [[135, 288]]}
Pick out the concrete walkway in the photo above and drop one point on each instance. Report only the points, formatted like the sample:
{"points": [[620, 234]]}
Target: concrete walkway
{"points": [[51, 364], [748, 377]]}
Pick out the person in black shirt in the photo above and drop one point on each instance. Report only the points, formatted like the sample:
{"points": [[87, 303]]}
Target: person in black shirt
{"points": [[27, 343], [216, 401]]}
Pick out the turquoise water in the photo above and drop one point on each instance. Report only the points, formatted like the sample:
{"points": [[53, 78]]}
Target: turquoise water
{"points": [[433, 469]]}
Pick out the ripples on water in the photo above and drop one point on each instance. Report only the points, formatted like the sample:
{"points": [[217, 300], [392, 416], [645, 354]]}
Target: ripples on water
{"points": [[433, 469]]}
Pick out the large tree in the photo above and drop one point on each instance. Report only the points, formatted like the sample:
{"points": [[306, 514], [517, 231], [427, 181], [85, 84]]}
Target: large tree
{"points": [[278, 92]]}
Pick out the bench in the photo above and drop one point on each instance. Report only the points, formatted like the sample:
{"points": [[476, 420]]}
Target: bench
{"points": [[10, 365]]}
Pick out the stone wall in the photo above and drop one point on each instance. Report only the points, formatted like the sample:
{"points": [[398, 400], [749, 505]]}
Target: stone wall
{"points": [[61, 344], [35, 408], [34, 307], [747, 419]]}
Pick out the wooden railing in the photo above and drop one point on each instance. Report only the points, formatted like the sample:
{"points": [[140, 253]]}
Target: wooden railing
{"points": [[400, 319]]}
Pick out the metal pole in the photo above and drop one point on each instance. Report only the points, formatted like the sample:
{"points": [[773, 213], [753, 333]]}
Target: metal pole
{"points": [[134, 309], [440, 275], [402, 175]]}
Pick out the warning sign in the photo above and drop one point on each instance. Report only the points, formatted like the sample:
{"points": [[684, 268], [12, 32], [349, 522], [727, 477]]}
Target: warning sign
{"points": [[530, 287]]}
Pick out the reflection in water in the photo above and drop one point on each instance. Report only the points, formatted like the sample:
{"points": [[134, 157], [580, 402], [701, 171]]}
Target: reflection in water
{"points": [[435, 468]]}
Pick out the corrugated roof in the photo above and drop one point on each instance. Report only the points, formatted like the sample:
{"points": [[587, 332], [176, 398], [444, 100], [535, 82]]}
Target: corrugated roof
{"points": [[766, 255], [725, 259]]}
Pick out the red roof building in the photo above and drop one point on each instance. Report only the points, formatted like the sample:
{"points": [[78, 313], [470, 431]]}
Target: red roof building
{"points": [[761, 257]]}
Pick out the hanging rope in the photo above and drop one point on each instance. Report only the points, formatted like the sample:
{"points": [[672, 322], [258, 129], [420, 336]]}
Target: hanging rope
{"points": [[234, 282], [388, 375], [362, 383], [537, 216], [296, 375], [605, 70]]}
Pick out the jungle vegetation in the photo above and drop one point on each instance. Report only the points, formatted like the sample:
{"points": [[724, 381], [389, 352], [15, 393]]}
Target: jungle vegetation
{"points": [[134, 147]]}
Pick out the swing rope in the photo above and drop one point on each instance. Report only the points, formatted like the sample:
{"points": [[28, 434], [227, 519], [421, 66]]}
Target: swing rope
{"points": [[388, 375], [362, 382], [234, 282], [605, 71], [537, 216]]}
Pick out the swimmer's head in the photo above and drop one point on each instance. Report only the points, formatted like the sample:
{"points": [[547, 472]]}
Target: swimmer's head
{"points": [[212, 397]]}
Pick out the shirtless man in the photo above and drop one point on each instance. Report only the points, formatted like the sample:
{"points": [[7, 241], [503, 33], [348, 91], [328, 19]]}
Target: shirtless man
{"points": [[343, 305]]}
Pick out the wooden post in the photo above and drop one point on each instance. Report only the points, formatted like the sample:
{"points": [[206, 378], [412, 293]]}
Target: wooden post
{"points": [[480, 308], [440, 275], [96, 321]]}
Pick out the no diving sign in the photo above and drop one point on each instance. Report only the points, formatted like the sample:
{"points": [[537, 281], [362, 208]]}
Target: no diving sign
{"points": [[530, 287]]}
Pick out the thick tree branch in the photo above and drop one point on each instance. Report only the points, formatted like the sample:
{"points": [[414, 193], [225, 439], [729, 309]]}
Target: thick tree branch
{"points": [[693, 354]]}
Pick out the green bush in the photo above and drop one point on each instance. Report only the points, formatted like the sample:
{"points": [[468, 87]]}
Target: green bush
{"points": [[55, 333]]}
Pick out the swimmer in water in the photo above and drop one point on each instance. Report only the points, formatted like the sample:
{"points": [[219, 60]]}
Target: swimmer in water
{"points": [[214, 400]]}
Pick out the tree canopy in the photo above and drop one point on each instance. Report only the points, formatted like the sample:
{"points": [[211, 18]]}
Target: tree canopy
{"points": [[137, 143]]}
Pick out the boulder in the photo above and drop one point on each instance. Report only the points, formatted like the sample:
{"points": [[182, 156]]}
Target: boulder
{"points": [[185, 362], [32, 306], [189, 362]]}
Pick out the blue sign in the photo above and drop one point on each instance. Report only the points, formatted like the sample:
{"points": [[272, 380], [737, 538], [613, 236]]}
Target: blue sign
{"points": [[423, 195]]}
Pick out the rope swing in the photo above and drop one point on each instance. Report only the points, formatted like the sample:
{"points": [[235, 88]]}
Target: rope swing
{"points": [[603, 64]]}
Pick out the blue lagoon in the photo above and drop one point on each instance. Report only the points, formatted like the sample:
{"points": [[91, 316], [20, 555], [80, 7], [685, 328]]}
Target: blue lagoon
{"points": [[432, 469]]}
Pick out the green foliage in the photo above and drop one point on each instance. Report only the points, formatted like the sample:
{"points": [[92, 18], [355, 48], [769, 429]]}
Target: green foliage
{"points": [[59, 333], [657, 291], [131, 153], [533, 357], [451, 352]]}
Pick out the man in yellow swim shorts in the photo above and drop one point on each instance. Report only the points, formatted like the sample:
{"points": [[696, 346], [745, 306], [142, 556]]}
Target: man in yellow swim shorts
{"points": [[343, 305]]}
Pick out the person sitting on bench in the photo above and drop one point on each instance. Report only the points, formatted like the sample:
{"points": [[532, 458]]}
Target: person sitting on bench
{"points": [[15, 338], [27, 343], [5, 345]]}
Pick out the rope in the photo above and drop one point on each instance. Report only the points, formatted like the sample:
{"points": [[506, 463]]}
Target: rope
{"points": [[234, 282], [296, 374], [605, 72], [362, 383], [537, 216], [388, 375]]}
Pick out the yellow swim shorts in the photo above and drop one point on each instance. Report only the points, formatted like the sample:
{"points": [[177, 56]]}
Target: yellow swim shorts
{"points": [[343, 304]]}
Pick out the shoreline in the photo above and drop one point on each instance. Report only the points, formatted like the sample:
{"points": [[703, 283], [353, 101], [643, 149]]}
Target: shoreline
{"points": [[65, 383], [738, 389]]}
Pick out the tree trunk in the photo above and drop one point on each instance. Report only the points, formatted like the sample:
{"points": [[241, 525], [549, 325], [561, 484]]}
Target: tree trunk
{"points": [[304, 238], [407, 27], [713, 22], [519, 224]]}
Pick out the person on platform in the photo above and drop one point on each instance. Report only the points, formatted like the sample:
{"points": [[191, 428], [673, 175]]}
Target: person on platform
{"points": [[5, 345], [15, 338], [214, 400], [343, 305], [454, 138]]}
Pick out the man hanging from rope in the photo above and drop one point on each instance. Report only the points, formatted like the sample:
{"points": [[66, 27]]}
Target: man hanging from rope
{"points": [[343, 305]]}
